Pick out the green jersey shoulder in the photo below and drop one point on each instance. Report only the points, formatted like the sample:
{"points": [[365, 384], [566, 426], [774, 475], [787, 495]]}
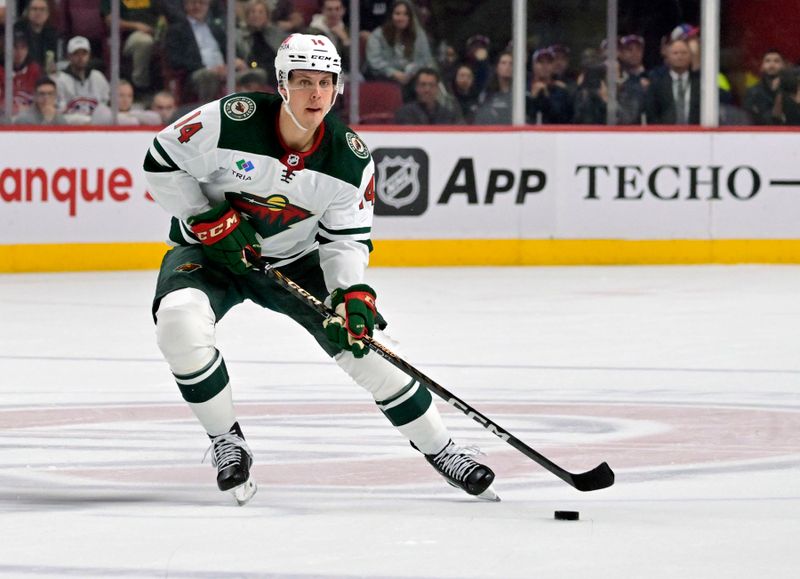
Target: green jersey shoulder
{"points": [[248, 123]]}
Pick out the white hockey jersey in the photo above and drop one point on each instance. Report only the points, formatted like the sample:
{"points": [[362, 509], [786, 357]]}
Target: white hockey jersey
{"points": [[297, 202]]}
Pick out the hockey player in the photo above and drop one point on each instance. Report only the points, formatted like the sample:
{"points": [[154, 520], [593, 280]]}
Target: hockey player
{"points": [[274, 176]]}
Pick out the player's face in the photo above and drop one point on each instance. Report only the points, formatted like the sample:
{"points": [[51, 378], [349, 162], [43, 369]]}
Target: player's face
{"points": [[311, 96]]}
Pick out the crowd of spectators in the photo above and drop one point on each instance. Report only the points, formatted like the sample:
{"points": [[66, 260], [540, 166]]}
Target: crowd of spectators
{"points": [[173, 57]]}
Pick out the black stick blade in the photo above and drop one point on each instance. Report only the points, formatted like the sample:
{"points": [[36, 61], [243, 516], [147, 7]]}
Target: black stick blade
{"points": [[599, 477]]}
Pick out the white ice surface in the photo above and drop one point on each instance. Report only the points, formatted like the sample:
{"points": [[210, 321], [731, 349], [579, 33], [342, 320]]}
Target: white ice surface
{"points": [[685, 379]]}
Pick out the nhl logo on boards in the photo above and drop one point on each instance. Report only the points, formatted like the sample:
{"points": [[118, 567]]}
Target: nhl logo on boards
{"points": [[401, 182], [357, 145], [239, 108]]}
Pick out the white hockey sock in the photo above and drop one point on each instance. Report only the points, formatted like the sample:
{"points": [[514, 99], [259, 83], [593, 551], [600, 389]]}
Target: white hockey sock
{"points": [[406, 403], [216, 415], [428, 432]]}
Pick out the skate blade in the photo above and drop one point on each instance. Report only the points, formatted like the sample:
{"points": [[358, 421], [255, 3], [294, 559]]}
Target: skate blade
{"points": [[488, 495], [244, 492]]}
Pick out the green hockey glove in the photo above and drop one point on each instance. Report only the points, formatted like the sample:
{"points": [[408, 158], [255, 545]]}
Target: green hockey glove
{"points": [[227, 238], [354, 319]]}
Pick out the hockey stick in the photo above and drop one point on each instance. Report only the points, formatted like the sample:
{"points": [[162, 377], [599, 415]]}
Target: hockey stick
{"points": [[599, 477]]}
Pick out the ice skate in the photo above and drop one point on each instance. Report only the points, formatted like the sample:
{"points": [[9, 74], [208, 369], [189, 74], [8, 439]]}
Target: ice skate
{"points": [[459, 469], [232, 457]]}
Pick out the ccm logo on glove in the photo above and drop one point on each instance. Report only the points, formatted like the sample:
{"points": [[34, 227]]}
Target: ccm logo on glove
{"points": [[212, 232], [227, 239]]}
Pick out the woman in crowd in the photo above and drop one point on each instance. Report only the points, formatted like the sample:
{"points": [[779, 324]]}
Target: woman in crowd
{"points": [[398, 49], [495, 108]]}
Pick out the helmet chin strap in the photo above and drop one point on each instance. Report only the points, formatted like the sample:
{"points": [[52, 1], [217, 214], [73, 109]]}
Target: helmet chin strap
{"points": [[291, 114]]}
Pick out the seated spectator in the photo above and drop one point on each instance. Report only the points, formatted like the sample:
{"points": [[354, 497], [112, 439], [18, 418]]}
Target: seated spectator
{"points": [[591, 97], [130, 114], [258, 42], [45, 106], [165, 106], [495, 107], [137, 24], [759, 100], [477, 56], [465, 92], [631, 58], [561, 72], [26, 73], [787, 102], [195, 46], [674, 98], [426, 109], [691, 34], [447, 59], [83, 92], [397, 50], [330, 22], [547, 102], [37, 24]]}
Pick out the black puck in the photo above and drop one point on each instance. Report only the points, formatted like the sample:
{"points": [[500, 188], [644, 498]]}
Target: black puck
{"points": [[567, 515]]}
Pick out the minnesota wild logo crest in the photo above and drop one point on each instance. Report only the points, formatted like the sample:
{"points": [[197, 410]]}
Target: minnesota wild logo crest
{"points": [[268, 215]]}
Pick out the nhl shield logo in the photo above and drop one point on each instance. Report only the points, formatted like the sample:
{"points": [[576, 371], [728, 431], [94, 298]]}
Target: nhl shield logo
{"points": [[398, 181]]}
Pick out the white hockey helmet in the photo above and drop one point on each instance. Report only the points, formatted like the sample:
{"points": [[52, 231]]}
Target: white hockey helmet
{"points": [[308, 52]]}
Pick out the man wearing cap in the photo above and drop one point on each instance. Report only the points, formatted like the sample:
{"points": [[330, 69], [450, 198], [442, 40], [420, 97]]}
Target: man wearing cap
{"points": [[631, 57], [633, 81], [547, 102], [83, 91], [561, 68], [476, 54]]}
